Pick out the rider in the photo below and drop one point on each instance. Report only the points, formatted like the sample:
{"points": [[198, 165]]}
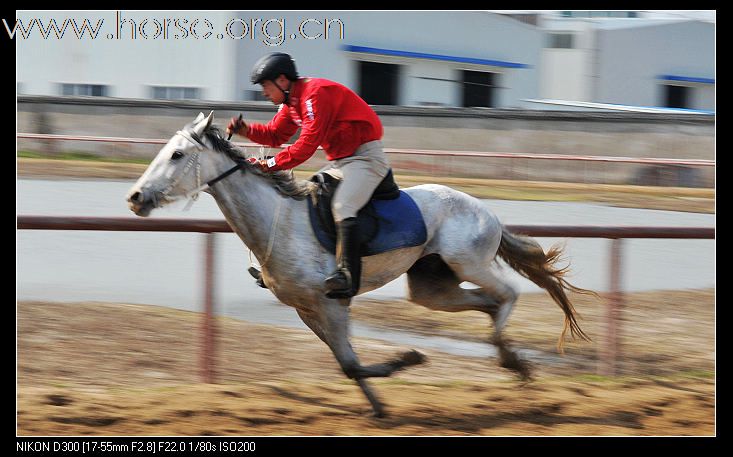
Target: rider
{"points": [[329, 115]]}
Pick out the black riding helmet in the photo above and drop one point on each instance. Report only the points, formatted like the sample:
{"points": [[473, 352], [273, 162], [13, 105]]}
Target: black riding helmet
{"points": [[273, 65]]}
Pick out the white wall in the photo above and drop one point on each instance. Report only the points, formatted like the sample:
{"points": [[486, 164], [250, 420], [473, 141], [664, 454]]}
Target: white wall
{"points": [[703, 97], [128, 65], [565, 74], [221, 66], [632, 59]]}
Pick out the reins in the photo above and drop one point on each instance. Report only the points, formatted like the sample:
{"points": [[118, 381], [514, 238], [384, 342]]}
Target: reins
{"points": [[196, 140]]}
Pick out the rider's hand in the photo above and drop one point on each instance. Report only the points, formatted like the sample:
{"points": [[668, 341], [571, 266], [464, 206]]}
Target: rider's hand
{"points": [[237, 125], [261, 164]]}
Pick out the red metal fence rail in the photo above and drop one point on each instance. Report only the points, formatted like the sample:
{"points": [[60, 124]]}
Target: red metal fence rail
{"points": [[610, 349]]}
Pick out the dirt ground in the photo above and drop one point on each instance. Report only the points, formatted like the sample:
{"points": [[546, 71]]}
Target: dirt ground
{"points": [[117, 369]]}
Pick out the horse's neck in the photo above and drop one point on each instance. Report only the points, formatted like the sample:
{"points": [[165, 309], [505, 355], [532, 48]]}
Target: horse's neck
{"points": [[250, 205]]}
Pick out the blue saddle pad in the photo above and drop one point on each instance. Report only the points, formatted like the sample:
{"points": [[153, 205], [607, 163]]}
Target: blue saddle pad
{"points": [[399, 224]]}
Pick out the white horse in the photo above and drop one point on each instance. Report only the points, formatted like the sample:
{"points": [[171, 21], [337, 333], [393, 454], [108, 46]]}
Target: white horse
{"points": [[269, 214]]}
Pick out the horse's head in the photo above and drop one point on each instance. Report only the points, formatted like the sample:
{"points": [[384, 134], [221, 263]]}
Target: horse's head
{"points": [[176, 172]]}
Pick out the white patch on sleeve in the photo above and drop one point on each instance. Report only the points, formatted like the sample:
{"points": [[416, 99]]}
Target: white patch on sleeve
{"points": [[271, 162], [309, 109]]}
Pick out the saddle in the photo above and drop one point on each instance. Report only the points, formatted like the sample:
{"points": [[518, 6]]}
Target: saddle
{"points": [[389, 221]]}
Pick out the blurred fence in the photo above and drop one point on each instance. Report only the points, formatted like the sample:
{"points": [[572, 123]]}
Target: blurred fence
{"points": [[610, 348], [490, 165]]}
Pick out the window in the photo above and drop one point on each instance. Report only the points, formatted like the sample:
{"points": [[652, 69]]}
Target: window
{"points": [[95, 90], [677, 96], [378, 83], [560, 40], [478, 87], [175, 93]]}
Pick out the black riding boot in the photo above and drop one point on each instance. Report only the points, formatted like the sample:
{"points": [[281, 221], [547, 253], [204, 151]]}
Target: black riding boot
{"points": [[345, 281]]}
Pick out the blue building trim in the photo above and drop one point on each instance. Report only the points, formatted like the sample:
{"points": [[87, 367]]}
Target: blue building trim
{"points": [[422, 55], [687, 79]]}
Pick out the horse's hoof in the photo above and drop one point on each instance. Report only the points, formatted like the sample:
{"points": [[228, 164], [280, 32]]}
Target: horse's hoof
{"points": [[522, 367], [413, 358], [379, 414], [525, 372]]}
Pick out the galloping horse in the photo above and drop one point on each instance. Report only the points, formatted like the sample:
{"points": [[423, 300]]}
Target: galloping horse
{"points": [[269, 214]]}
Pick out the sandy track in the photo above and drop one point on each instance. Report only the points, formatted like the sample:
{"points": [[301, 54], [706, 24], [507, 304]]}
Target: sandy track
{"points": [[107, 369]]}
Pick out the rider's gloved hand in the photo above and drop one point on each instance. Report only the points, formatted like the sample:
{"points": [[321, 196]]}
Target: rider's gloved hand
{"points": [[237, 125]]}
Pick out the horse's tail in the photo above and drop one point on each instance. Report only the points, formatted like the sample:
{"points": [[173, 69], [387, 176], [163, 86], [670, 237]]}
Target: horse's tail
{"points": [[526, 256]]}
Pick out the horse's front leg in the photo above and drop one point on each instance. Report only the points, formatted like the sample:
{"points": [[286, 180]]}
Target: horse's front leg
{"points": [[337, 331], [332, 325]]}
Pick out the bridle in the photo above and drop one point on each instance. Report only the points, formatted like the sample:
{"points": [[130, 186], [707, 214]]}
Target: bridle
{"points": [[194, 138]]}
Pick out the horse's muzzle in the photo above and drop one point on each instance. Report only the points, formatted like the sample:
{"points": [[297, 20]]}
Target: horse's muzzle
{"points": [[140, 203]]}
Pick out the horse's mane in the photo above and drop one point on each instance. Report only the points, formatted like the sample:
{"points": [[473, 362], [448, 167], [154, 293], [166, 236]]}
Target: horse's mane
{"points": [[283, 181]]}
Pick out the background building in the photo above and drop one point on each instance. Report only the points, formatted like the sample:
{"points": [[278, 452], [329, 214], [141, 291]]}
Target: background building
{"points": [[629, 61], [408, 58], [399, 58], [424, 58], [430, 74]]}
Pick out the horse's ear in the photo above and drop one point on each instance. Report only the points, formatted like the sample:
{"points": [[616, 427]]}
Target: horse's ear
{"points": [[203, 123]]}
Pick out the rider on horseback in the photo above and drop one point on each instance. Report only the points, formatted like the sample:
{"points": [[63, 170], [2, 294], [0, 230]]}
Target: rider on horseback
{"points": [[329, 115]]}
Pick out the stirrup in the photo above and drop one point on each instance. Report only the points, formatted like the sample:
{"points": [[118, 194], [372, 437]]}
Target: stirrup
{"points": [[339, 284], [258, 277], [346, 293]]}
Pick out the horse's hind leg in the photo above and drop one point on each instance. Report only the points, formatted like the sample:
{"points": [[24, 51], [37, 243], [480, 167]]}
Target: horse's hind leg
{"points": [[436, 285], [503, 295], [331, 326]]}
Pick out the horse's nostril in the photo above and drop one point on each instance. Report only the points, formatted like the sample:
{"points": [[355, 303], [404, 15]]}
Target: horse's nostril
{"points": [[136, 197]]}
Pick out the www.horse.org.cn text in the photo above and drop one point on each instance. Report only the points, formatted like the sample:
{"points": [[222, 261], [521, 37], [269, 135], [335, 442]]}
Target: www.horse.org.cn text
{"points": [[270, 31]]}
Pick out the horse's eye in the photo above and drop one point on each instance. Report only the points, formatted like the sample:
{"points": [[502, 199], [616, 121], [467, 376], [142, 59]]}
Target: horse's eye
{"points": [[176, 155]]}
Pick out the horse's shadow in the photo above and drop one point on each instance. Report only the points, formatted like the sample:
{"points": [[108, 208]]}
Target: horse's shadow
{"points": [[548, 415], [441, 420], [315, 401]]}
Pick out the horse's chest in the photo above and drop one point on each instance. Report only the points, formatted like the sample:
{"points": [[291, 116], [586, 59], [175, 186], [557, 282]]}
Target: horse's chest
{"points": [[294, 290]]}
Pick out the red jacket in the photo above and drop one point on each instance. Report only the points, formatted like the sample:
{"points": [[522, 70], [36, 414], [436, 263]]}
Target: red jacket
{"points": [[330, 115]]}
